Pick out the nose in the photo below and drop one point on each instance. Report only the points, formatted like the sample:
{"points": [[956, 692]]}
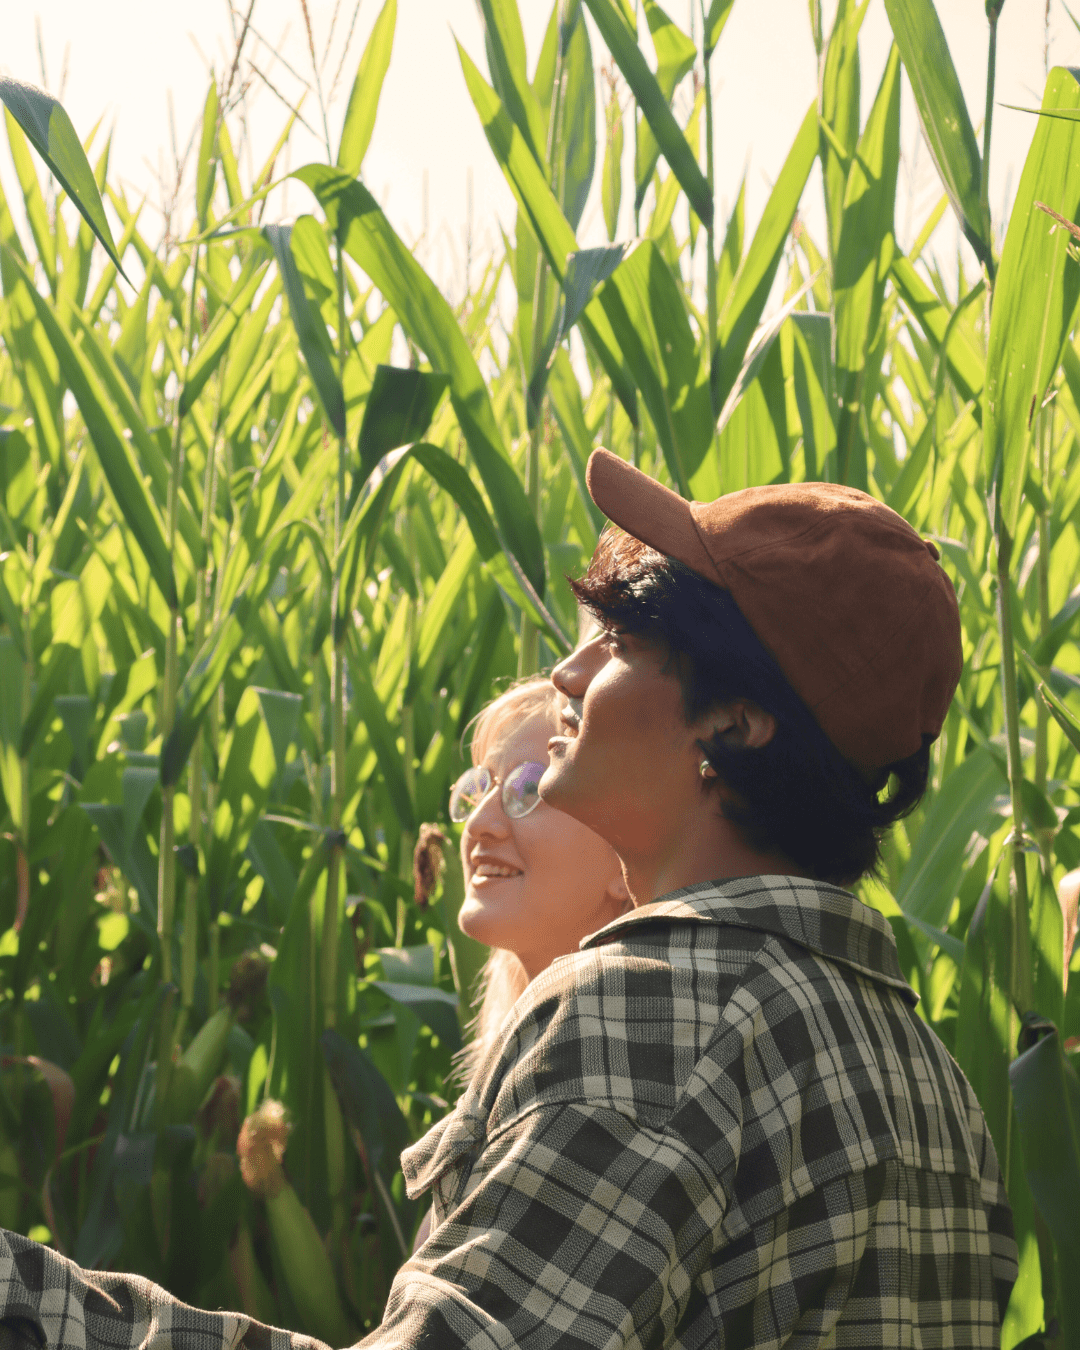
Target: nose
{"points": [[488, 816], [574, 673]]}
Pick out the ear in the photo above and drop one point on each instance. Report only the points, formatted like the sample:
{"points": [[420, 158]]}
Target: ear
{"points": [[742, 723]]}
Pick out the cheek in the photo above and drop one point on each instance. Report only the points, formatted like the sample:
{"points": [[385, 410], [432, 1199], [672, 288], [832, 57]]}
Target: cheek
{"points": [[538, 839], [568, 865], [624, 711]]}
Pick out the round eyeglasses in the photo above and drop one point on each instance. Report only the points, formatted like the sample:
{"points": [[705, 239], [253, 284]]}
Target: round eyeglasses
{"points": [[520, 791]]}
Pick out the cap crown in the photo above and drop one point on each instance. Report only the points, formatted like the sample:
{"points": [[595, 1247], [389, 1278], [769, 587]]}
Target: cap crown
{"points": [[850, 601]]}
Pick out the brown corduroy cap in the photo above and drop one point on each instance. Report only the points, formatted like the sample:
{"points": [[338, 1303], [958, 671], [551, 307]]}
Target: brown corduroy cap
{"points": [[843, 593]]}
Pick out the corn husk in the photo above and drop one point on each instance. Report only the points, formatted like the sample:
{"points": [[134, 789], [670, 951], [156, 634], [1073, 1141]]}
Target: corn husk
{"points": [[197, 1067], [299, 1245]]}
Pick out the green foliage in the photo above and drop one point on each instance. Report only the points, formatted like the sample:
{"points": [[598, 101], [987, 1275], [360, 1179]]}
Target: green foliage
{"points": [[256, 581]]}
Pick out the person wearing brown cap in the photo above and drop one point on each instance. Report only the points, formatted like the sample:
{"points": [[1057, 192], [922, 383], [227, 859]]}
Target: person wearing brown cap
{"points": [[721, 1123]]}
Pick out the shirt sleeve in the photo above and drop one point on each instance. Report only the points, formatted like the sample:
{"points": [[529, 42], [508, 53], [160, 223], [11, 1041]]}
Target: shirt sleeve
{"points": [[576, 1227], [49, 1303]]}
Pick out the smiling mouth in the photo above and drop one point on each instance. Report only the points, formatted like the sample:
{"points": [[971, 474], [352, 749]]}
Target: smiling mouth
{"points": [[494, 872]]}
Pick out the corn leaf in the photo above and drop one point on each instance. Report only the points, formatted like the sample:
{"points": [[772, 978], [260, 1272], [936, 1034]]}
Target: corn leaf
{"points": [[425, 315], [1047, 1096], [215, 340], [505, 45], [1035, 298], [861, 266], [383, 738], [967, 368], [751, 444], [364, 97], [399, 409], [49, 130], [717, 17], [646, 313], [146, 447], [37, 213], [549, 225], [1069, 724], [755, 358], [574, 139], [12, 674], [748, 294], [943, 115], [986, 1031], [290, 243], [815, 386], [962, 805], [623, 47], [838, 100], [244, 587], [113, 450], [611, 172], [206, 164], [453, 478], [675, 55]]}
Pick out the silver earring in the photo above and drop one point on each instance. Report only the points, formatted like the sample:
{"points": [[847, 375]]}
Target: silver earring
{"points": [[707, 770]]}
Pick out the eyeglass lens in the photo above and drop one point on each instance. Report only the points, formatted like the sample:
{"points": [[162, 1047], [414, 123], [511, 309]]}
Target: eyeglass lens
{"points": [[520, 791]]}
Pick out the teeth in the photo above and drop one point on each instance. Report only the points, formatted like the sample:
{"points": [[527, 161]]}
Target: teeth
{"points": [[493, 870]]}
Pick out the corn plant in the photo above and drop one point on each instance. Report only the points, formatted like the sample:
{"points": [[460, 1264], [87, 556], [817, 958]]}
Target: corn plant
{"points": [[256, 580]]}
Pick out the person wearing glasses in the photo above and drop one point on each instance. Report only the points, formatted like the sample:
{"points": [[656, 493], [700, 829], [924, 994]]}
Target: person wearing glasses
{"points": [[537, 881]]}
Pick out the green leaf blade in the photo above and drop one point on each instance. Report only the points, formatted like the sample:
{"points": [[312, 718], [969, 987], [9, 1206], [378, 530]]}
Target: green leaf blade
{"points": [[943, 115], [364, 98], [288, 241], [399, 410], [49, 130], [425, 315], [669, 135], [1036, 294]]}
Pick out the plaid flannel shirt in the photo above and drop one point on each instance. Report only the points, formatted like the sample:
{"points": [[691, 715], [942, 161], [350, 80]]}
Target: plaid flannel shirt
{"points": [[719, 1124]]}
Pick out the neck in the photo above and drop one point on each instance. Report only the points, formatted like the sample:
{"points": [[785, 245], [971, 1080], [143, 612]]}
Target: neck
{"points": [[709, 849]]}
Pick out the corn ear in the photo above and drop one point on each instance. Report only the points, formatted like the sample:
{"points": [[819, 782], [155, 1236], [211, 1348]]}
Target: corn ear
{"points": [[197, 1068], [300, 1249], [308, 1271]]}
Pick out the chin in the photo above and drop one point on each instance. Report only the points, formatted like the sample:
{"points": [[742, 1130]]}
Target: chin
{"points": [[557, 785], [476, 921], [560, 787]]}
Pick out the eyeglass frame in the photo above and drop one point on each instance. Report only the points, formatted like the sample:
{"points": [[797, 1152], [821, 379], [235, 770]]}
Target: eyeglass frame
{"points": [[492, 782]]}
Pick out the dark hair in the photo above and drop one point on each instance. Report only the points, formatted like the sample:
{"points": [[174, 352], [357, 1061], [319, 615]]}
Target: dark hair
{"points": [[797, 796]]}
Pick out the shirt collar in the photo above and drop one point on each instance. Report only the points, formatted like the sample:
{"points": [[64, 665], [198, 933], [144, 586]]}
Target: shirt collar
{"points": [[824, 919]]}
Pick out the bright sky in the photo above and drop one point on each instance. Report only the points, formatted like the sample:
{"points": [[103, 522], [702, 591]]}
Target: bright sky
{"points": [[125, 58]]}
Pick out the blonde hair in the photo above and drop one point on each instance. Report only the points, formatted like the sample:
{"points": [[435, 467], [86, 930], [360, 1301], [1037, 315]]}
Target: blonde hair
{"points": [[503, 979]]}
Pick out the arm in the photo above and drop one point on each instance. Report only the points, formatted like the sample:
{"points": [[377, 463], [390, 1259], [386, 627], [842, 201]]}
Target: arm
{"points": [[49, 1303], [575, 1220]]}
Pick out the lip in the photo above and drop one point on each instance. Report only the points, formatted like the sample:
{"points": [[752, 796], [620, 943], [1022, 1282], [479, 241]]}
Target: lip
{"points": [[571, 720]]}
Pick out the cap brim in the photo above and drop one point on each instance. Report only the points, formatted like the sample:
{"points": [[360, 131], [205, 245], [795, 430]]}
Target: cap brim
{"points": [[647, 510]]}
